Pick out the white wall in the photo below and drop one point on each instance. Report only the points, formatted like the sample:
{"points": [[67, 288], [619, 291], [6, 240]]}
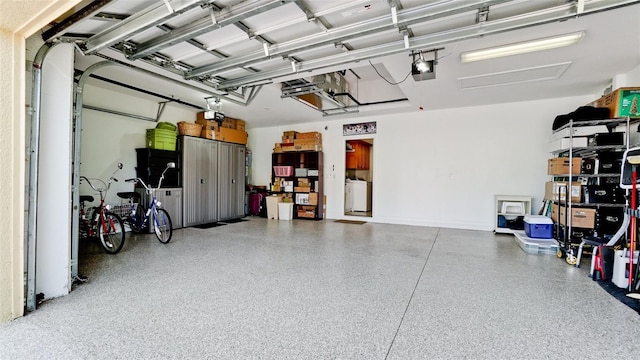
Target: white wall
{"points": [[438, 168], [633, 77], [108, 139], [53, 234]]}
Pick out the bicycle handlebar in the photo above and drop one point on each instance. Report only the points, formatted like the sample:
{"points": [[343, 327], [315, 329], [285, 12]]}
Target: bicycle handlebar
{"points": [[105, 186], [149, 187]]}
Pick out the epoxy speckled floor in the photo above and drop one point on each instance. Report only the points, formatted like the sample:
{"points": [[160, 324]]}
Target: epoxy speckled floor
{"points": [[268, 289]]}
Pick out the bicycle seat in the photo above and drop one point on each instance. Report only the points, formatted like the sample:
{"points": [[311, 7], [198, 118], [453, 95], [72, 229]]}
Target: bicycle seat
{"points": [[129, 195], [84, 198]]}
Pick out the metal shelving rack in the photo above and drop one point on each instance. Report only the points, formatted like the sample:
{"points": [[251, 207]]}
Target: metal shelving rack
{"points": [[565, 247]]}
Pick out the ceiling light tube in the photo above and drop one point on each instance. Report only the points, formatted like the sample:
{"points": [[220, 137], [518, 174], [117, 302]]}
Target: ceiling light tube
{"points": [[406, 41], [394, 15], [522, 47], [265, 46]]}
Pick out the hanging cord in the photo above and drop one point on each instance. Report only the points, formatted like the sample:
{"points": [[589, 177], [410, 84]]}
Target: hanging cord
{"points": [[383, 78]]}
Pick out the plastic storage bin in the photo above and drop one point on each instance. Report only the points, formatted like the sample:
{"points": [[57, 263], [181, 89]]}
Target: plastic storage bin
{"points": [[513, 208], [620, 275], [283, 171], [536, 246], [272, 207], [285, 211], [161, 139], [538, 227]]}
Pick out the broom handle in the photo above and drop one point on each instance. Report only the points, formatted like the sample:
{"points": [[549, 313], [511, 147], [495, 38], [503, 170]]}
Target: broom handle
{"points": [[634, 177]]}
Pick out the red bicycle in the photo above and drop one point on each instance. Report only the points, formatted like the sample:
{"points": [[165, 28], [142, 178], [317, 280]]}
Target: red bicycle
{"points": [[99, 221]]}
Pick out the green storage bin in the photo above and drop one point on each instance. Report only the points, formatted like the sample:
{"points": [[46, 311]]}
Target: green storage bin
{"points": [[161, 139], [166, 126]]}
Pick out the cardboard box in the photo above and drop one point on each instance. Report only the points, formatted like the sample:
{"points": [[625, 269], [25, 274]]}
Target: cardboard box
{"points": [[560, 166], [554, 212], [277, 148], [309, 135], [302, 189], [229, 123], [289, 135], [302, 148], [307, 142], [580, 217], [208, 124], [312, 100], [208, 134], [313, 198], [302, 199], [305, 211], [622, 102], [553, 188], [232, 123], [232, 135]]}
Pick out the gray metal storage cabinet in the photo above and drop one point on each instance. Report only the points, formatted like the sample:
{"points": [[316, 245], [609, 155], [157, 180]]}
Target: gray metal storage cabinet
{"points": [[199, 180], [171, 200], [231, 177]]}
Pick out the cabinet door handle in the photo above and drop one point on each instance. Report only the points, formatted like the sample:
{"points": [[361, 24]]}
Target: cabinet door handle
{"points": [[203, 181], [233, 181]]}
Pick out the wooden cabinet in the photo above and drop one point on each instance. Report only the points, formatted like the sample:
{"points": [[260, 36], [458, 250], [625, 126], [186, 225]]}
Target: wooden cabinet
{"points": [[359, 157], [303, 182]]}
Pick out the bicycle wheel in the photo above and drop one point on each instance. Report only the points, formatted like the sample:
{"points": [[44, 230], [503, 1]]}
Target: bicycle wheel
{"points": [[137, 224], [162, 226], [111, 232]]}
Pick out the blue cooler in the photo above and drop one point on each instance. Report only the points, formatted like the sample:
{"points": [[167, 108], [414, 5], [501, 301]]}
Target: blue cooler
{"points": [[538, 227]]}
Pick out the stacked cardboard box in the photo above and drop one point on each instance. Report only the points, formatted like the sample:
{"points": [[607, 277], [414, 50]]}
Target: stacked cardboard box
{"points": [[230, 130], [621, 102], [295, 141]]}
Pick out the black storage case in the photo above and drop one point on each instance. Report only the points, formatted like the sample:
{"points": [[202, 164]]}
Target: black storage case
{"points": [[604, 139], [610, 162], [609, 220], [588, 166], [151, 163], [576, 233], [598, 194]]}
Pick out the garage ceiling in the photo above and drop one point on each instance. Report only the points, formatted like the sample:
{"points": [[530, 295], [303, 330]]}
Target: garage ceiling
{"points": [[248, 52]]}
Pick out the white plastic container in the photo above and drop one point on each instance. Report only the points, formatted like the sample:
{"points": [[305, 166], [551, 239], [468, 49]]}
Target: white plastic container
{"points": [[272, 207], [285, 211], [620, 275]]}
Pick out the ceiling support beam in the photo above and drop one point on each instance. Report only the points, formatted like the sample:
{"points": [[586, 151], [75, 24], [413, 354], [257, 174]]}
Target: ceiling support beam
{"points": [[224, 17], [557, 13], [137, 23], [86, 12], [341, 34]]}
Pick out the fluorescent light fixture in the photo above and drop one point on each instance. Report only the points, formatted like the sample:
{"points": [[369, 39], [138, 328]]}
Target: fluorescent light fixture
{"points": [[265, 46], [406, 41], [394, 15], [522, 47]]}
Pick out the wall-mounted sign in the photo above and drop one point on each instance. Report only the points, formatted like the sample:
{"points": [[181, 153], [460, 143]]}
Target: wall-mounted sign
{"points": [[357, 129]]}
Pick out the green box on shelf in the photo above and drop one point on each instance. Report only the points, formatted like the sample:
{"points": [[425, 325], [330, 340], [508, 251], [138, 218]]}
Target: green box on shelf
{"points": [[622, 102], [161, 139]]}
